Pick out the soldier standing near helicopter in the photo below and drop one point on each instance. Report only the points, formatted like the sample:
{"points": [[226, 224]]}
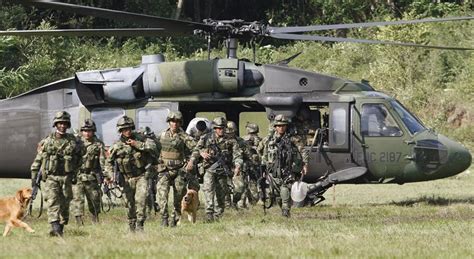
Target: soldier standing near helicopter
{"points": [[219, 154], [127, 165], [93, 161], [175, 147], [252, 139], [57, 158], [284, 162]]}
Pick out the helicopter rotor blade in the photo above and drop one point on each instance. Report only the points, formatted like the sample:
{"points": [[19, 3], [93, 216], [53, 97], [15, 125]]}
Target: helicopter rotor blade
{"points": [[177, 26], [295, 29], [289, 36], [128, 32]]}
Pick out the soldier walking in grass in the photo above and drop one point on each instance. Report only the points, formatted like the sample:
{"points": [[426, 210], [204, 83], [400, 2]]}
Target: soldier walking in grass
{"points": [[175, 148], [127, 164], [93, 162], [57, 158], [219, 155], [283, 161], [252, 139]]}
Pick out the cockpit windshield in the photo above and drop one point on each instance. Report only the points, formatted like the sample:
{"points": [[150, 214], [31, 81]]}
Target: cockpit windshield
{"points": [[410, 121]]}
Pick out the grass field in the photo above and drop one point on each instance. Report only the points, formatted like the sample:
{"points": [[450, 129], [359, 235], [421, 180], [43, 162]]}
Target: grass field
{"points": [[421, 220]]}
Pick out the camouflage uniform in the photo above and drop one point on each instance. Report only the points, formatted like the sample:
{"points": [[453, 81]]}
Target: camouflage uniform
{"points": [[132, 162], [284, 162], [303, 127], [58, 159], [200, 131], [175, 149], [215, 176], [240, 182], [252, 139], [93, 161]]}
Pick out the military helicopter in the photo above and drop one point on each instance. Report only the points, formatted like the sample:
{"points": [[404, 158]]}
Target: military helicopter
{"points": [[364, 136]]}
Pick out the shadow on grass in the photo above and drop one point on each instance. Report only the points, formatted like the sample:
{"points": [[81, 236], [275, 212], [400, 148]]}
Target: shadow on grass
{"points": [[432, 200]]}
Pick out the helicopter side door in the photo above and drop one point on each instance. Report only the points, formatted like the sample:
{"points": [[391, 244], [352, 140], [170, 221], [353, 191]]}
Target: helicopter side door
{"points": [[330, 148], [382, 140]]}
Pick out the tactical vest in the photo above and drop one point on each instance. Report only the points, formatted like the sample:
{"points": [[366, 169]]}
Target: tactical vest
{"points": [[282, 156], [130, 161], [173, 149], [59, 155], [91, 157], [216, 144]]}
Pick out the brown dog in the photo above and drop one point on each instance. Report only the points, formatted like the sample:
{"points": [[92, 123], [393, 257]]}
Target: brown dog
{"points": [[12, 210], [189, 205]]}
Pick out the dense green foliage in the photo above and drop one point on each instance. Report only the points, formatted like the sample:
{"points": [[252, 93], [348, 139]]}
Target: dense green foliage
{"points": [[436, 85]]}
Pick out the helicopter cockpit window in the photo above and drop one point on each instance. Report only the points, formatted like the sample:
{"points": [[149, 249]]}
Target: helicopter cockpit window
{"points": [[412, 123], [376, 121], [154, 118], [106, 122]]}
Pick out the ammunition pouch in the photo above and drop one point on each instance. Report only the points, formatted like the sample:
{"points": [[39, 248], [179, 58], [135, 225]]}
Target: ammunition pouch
{"points": [[68, 164], [169, 155]]}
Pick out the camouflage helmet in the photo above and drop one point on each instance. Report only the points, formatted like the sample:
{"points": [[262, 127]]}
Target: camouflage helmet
{"points": [[231, 127], [174, 115], [124, 123], [251, 128], [219, 122], [88, 124], [280, 119], [62, 116]]}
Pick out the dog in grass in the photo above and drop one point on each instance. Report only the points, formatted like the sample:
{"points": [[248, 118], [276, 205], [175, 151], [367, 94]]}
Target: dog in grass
{"points": [[190, 205], [12, 210]]}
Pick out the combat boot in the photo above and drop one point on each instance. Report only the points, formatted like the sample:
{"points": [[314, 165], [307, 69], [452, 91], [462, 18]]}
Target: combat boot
{"points": [[285, 213], [209, 218], [79, 221], [140, 226], [132, 225], [55, 229], [164, 222]]}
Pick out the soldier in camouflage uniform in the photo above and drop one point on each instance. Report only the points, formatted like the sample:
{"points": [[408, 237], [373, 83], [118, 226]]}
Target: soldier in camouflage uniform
{"points": [[131, 156], [284, 161], [175, 147], [93, 161], [240, 182], [219, 154], [252, 139], [57, 158], [303, 126]]}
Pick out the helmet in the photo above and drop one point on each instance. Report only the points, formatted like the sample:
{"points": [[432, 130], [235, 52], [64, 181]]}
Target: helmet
{"points": [[219, 122], [88, 125], [251, 128], [62, 116], [231, 127], [280, 119], [174, 115], [201, 126], [124, 123]]}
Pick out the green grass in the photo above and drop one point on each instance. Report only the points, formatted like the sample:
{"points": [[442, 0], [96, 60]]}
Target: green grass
{"points": [[427, 220]]}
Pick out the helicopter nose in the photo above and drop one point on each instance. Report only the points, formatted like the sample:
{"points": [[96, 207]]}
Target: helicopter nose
{"points": [[459, 158]]}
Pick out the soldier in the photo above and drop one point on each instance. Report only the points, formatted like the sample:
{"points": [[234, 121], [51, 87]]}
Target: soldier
{"points": [[252, 139], [303, 126], [58, 159], [240, 181], [201, 129], [283, 161], [127, 164], [175, 148], [90, 170], [219, 153]]}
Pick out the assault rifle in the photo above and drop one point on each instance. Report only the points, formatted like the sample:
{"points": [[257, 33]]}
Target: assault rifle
{"points": [[118, 176], [37, 186], [264, 184], [221, 161]]}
